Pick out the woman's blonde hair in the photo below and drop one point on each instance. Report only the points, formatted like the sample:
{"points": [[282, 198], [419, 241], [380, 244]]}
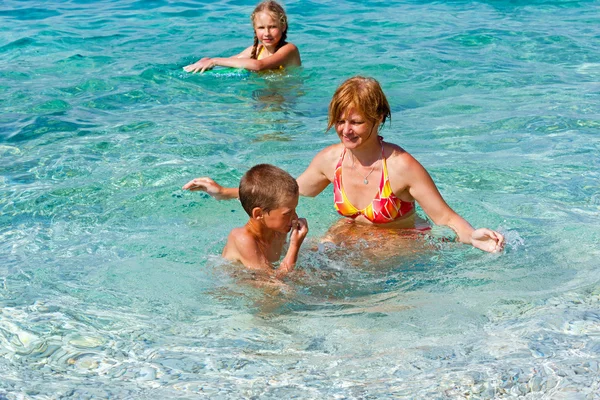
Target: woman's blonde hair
{"points": [[363, 94], [277, 13]]}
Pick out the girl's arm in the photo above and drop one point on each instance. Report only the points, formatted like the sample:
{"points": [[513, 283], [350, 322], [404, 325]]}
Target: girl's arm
{"points": [[197, 66], [283, 56], [422, 188], [245, 54]]}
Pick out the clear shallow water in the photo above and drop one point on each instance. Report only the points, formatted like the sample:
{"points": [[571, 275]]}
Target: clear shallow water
{"points": [[110, 280]]}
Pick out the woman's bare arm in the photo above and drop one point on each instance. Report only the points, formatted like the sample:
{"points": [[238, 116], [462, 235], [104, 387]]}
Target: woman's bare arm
{"points": [[422, 188]]}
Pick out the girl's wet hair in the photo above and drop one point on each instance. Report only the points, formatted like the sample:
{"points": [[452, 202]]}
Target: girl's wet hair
{"points": [[364, 95], [278, 14], [266, 186]]}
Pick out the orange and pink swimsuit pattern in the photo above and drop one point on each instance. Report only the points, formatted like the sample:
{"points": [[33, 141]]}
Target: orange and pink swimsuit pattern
{"points": [[385, 207]]}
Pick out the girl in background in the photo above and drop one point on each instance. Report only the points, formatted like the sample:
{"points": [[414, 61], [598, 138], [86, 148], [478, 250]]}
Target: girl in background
{"points": [[270, 49]]}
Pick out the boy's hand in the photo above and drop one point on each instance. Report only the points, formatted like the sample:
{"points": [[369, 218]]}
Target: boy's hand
{"points": [[207, 185], [297, 235], [298, 232]]}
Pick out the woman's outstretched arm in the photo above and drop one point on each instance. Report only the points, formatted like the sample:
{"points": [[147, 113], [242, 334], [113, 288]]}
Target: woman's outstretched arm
{"points": [[211, 187], [311, 182], [422, 188]]}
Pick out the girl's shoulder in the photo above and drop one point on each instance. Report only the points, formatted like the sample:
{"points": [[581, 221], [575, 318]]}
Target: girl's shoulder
{"points": [[246, 53], [289, 45], [291, 52]]}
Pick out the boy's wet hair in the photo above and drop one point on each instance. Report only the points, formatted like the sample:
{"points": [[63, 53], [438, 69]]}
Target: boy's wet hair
{"points": [[278, 14], [266, 186], [364, 95]]}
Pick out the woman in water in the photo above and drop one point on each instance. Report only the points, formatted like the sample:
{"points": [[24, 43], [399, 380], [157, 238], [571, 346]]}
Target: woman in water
{"points": [[270, 49], [374, 182]]}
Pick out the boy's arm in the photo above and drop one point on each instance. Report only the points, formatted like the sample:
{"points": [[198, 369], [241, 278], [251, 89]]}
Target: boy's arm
{"points": [[244, 248], [297, 235]]}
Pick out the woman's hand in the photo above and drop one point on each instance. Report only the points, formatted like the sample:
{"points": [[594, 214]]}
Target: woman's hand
{"points": [[487, 240], [200, 65], [209, 186]]}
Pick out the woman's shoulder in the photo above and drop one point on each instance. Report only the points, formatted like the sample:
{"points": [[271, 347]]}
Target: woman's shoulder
{"points": [[393, 151], [397, 157], [333, 150], [329, 154]]}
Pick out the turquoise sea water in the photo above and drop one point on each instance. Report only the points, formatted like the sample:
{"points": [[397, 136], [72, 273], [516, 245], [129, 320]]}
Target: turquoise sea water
{"points": [[110, 280]]}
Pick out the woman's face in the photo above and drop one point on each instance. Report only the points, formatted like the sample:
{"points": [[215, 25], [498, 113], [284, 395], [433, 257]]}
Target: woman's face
{"points": [[268, 30], [354, 129]]}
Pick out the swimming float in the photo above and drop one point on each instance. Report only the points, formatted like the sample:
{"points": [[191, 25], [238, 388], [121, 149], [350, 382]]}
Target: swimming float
{"points": [[226, 72]]}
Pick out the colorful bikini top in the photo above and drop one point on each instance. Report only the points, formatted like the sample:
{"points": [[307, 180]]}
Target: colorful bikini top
{"points": [[385, 207]]}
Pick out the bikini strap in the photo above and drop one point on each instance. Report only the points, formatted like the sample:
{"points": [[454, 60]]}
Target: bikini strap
{"points": [[341, 159], [384, 172]]}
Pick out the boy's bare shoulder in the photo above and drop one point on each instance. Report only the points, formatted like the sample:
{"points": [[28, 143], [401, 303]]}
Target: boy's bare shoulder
{"points": [[238, 240], [240, 237]]}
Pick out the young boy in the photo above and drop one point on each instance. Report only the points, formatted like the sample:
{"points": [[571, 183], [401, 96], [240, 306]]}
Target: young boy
{"points": [[270, 196]]}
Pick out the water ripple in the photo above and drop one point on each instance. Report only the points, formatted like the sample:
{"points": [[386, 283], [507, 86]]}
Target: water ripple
{"points": [[111, 284], [28, 14]]}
